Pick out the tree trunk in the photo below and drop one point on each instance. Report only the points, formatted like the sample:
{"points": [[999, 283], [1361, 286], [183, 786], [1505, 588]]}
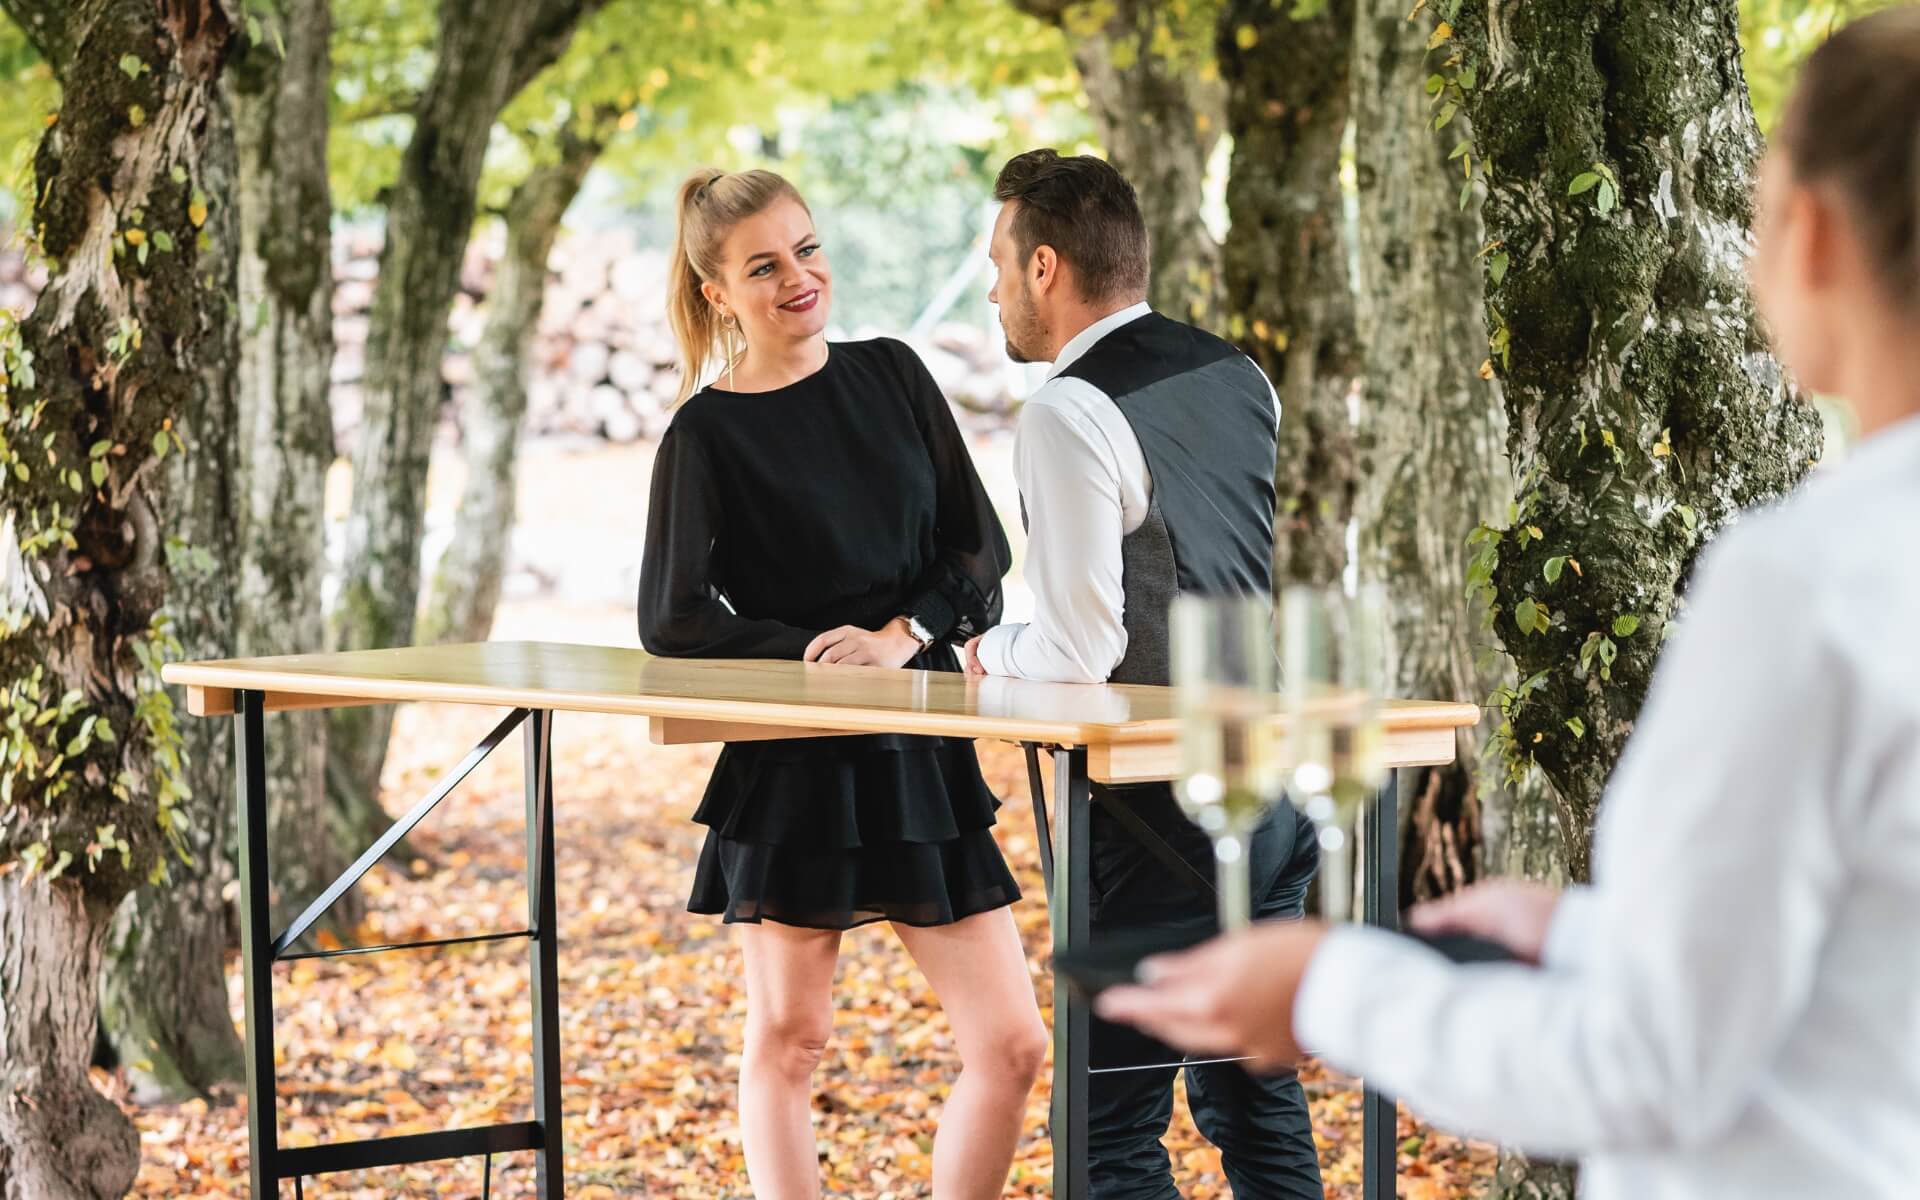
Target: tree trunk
{"points": [[1432, 431], [59, 1138], [1157, 100], [163, 994], [486, 52], [286, 445], [466, 587], [1644, 408], [1289, 303], [109, 554]]}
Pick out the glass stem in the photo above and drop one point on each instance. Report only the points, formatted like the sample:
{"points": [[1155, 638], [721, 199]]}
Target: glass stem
{"points": [[1232, 882], [1336, 871]]}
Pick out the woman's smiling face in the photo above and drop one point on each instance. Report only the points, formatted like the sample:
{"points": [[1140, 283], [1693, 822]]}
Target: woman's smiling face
{"points": [[775, 280]]}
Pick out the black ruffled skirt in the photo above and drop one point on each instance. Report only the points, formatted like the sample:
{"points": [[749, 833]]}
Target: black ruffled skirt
{"points": [[830, 833]]}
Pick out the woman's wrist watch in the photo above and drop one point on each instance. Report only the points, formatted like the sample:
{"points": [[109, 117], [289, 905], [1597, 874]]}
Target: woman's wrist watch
{"points": [[916, 630]]}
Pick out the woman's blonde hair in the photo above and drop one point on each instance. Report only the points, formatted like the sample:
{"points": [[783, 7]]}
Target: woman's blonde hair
{"points": [[711, 203]]}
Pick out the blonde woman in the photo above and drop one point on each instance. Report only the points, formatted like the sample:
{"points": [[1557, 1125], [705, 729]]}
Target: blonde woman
{"points": [[817, 502]]}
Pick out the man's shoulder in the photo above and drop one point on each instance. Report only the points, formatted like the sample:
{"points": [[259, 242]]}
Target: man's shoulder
{"points": [[1150, 350]]}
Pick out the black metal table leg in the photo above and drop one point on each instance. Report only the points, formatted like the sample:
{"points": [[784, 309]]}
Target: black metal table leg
{"points": [[1380, 905], [1042, 833], [260, 949], [1071, 912], [544, 959], [256, 940]]}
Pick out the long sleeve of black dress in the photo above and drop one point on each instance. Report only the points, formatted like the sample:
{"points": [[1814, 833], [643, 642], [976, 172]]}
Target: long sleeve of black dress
{"points": [[958, 595], [682, 612]]}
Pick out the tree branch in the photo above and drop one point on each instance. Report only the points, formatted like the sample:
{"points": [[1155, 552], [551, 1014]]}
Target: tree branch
{"points": [[548, 38]]}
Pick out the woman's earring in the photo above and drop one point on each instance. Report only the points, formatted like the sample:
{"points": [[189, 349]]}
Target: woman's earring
{"points": [[728, 325]]}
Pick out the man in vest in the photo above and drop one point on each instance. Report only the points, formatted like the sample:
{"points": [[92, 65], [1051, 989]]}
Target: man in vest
{"points": [[1145, 465]]}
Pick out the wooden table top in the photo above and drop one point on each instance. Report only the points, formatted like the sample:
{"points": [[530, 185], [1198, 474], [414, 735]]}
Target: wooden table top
{"points": [[762, 692]]}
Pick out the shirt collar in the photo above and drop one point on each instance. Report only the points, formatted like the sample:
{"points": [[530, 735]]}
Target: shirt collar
{"points": [[1085, 339]]}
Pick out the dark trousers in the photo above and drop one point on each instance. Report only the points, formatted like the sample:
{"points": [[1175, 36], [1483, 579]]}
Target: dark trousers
{"points": [[1259, 1122]]}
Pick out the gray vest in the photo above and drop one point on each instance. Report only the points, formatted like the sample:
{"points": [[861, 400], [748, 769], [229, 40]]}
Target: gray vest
{"points": [[1204, 417]]}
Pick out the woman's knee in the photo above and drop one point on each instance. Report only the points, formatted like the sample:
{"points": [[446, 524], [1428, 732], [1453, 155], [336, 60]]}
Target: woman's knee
{"points": [[792, 1043], [1017, 1053]]}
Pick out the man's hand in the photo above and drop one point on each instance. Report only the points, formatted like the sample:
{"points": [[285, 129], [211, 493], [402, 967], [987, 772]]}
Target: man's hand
{"points": [[973, 655], [1233, 995], [1513, 912], [889, 646]]}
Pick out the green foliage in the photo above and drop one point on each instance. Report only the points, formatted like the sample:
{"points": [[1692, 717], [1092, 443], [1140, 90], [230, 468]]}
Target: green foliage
{"points": [[29, 96], [1777, 35]]}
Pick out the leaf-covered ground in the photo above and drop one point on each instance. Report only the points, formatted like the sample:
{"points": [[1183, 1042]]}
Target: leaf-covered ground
{"points": [[651, 1009]]}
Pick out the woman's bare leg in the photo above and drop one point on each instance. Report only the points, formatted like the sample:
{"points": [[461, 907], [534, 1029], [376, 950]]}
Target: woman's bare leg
{"points": [[789, 1018], [979, 971]]}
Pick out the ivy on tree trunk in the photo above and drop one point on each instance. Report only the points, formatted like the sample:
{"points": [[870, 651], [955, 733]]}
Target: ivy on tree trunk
{"points": [[1644, 409], [117, 372]]}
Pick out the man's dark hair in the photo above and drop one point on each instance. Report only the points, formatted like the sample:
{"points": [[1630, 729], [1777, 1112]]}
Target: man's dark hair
{"points": [[1087, 212]]}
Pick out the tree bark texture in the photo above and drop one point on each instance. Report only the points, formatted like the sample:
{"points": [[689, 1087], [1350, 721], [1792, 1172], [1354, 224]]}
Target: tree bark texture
{"points": [[1289, 300], [1432, 435], [1158, 103], [286, 352], [109, 549], [486, 52], [466, 586], [1644, 408]]}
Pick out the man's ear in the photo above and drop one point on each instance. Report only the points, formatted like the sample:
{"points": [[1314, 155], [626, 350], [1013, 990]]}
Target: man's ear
{"points": [[1043, 270]]}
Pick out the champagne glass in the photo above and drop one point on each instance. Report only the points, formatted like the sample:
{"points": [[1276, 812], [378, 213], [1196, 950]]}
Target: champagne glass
{"points": [[1230, 773], [1335, 668]]}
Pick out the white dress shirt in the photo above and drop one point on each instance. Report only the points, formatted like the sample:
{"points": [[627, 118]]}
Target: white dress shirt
{"points": [[1733, 1008], [1085, 486]]}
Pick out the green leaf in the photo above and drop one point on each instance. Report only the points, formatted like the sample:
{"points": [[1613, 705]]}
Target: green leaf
{"points": [[99, 472], [1554, 567], [1625, 624], [1582, 182], [1446, 115], [141, 254], [1497, 267], [178, 174], [163, 241], [1466, 194], [133, 66], [1687, 515], [1525, 615], [253, 29], [1467, 77], [1462, 148], [1434, 84], [160, 444], [136, 116], [100, 449], [1604, 198], [1578, 726], [1608, 652]]}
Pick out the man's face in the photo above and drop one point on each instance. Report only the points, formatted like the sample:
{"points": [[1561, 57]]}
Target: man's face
{"points": [[1020, 318]]}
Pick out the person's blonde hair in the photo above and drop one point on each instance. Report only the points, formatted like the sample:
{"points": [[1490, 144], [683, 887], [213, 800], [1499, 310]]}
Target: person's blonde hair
{"points": [[711, 203]]}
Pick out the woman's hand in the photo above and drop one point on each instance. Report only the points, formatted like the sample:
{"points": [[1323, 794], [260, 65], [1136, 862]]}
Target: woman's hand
{"points": [[889, 646], [1513, 912]]}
